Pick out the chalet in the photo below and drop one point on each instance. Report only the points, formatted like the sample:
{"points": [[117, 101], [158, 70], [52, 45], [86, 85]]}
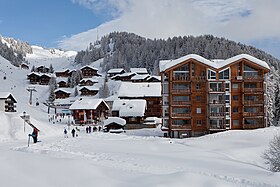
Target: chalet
{"points": [[140, 78], [24, 66], [113, 72], [133, 111], [88, 82], [123, 77], [151, 92], [42, 69], [71, 72], [88, 110], [204, 96], [154, 79], [139, 71], [45, 79], [62, 82], [89, 71], [62, 93], [7, 102], [89, 90], [64, 73], [114, 124], [33, 77]]}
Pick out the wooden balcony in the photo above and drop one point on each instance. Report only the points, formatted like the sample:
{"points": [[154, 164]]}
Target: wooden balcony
{"points": [[199, 79], [180, 78], [253, 102], [254, 79], [254, 126], [253, 90], [217, 127], [217, 115], [181, 127], [216, 90], [181, 103], [237, 78], [217, 102], [187, 115], [181, 91], [252, 114]]}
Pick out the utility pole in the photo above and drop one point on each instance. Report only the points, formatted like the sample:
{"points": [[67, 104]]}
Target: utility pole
{"points": [[31, 89]]}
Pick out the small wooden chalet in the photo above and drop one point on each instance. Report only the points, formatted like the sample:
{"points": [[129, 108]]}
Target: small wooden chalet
{"points": [[42, 69], [89, 90], [140, 78], [113, 72], [88, 110], [89, 71], [24, 66], [62, 83], [33, 77], [7, 102], [123, 77], [88, 82], [45, 79], [151, 92], [114, 124], [133, 111], [64, 73], [62, 93]]}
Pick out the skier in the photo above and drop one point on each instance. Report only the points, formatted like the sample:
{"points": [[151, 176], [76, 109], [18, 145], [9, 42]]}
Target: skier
{"points": [[65, 133], [34, 135], [73, 133]]}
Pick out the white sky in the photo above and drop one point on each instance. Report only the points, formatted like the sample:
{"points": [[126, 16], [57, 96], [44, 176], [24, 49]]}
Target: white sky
{"points": [[248, 21]]}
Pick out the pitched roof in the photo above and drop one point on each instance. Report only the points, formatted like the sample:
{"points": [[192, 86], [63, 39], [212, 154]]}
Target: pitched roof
{"points": [[141, 89], [65, 90], [130, 108], [140, 77], [217, 64], [139, 70], [87, 66], [117, 70], [89, 79], [117, 120], [91, 88], [5, 95], [87, 103]]}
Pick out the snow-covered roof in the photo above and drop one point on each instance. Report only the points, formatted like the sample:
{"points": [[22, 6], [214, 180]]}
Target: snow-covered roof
{"points": [[89, 79], [141, 89], [92, 88], [62, 71], [117, 120], [139, 70], [61, 79], [140, 77], [156, 77], [87, 66], [66, 90], [5, 95], [87, 103], [130, 108], [217, 64], [117, 70]]}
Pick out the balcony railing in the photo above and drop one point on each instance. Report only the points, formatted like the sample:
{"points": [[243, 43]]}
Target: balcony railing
{"points": [[216, 89], [250, 114], [253, 102], [181, 103], [181, 114], [181, 91], [184, 127], [253, 78], [199, 78], [181, 78], [217, 102], [220, 114], [217, 127], [254, 126], [253, 90]]}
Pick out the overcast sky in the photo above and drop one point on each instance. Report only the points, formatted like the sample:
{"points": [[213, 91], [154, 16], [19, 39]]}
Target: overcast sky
{"points": [[71, 24]]}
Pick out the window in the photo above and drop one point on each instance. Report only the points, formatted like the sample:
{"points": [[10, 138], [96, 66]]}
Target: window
{"points": [[198, 122], [192, 69], [234, 86], [250, 72], [133, 119], [235, 109], [227, 121], [181, 122], [198, 110], [235, 122], [181, 86], [235, 97], [251, 109], [227, 98], [198, 98], [211, 74], [198, 86], [227, 86], [185, 98], [181, 110], [224, 74]]}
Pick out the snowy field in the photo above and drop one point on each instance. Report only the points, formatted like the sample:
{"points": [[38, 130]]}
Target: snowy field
{"points": [[136, 158]]}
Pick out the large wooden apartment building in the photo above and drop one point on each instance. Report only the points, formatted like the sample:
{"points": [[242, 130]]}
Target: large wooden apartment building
{"points": [[201, 96]]}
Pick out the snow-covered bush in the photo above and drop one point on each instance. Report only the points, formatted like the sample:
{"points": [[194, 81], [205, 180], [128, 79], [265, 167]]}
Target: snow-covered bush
{"points": [[272, 154]]}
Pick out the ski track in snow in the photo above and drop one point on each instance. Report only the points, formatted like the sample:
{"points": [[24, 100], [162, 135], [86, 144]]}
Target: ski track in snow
{"points": [[133, 163]]}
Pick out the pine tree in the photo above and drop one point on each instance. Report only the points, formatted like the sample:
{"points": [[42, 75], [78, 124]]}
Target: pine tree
{"points": [[76, 93], [33, 69], [51, 70], [277, 105]]}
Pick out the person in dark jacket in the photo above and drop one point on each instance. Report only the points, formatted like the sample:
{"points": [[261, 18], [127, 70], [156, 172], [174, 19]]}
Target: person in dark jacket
{"points": [[73, 133], [34, 135]]}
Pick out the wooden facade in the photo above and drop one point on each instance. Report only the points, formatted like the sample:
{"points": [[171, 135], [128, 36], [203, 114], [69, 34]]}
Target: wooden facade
{"points": [[62, 84], [64, 73], [42, 69], [88, 92], [44, 79], [7, 102], [33, 78], [60, 94], [200, 99], [88, 71]]}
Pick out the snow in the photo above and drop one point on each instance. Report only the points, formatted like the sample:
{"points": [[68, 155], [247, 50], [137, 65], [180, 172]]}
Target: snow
{"points": [[139, 77], [117, 120], [217, 64], [143, 89], [117, 70], [86, 103], [130, 108], [92, 88], [135, 158], [139, 70], [5, 95]]}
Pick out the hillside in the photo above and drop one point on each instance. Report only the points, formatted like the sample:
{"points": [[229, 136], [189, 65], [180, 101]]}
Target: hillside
{"points": [[125, 50]]}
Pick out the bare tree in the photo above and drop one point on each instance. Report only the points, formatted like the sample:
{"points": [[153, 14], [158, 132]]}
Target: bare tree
{"points": [[272, 154]]}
